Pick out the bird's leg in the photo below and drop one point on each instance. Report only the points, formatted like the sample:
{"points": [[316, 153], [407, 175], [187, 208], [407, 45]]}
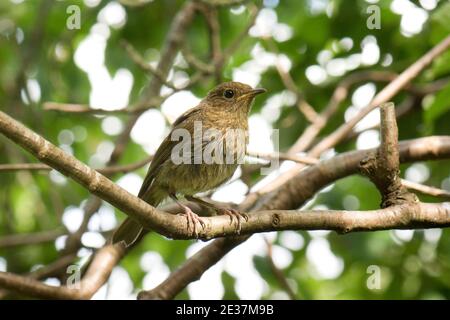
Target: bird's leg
{"points": [[232, 213], [191, 217]]}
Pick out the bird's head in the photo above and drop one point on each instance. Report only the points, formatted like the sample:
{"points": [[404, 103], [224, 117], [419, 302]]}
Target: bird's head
{"points": [[232, 96]]}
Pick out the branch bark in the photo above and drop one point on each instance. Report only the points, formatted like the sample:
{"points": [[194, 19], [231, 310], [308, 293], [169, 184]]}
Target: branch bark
{"points": [[292, 195], [106, 170], [171, 46], [178, 280], [98, 184], [383, 168]]}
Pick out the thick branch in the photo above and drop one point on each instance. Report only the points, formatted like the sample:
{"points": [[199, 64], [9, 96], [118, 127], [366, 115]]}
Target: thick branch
{"points": [[428, 190], [420, 149], [304, 107], [283, 156], [83, 109], [144, 65], [408, 216], [384, 95], [291, 195]]}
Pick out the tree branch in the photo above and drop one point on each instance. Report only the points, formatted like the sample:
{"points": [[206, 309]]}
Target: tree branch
{"points": [[136, 57], [279, 275], [86, 109], [383, 168], [304, 107], [292, 195], [98, 272], [384, 95], [283, 156], [407, 216], [168, 225], [94, 182], [171, 46], [106, 170], [424, 189], [30, 238], [434, 147]]}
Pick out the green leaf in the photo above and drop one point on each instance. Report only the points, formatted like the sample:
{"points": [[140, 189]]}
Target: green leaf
{"points": [[439, 106]]}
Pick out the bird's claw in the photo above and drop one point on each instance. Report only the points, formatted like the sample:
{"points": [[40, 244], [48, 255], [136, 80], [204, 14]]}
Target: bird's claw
{"points": [[192, 221], [234, 214]]}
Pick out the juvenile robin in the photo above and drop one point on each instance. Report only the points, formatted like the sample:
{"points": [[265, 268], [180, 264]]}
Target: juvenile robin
{"points": [[213, 148]]}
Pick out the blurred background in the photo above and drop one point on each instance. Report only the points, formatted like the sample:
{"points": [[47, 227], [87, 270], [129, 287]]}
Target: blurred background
{"points": [[49, 59]]}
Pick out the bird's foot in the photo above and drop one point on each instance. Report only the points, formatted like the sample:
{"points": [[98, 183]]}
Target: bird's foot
{"points": [[234, 215], [193, 221]]}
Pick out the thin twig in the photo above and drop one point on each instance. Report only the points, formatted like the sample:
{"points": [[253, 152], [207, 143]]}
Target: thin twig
{"points": [[279, 275], [227, 52], [224, 2], [14, 240], [144, 65], [96, 275], [195, 62], [105, 170], [294, 194], [202, 260], [83, 108], [427, 190], [383, 168], [341, 92]]}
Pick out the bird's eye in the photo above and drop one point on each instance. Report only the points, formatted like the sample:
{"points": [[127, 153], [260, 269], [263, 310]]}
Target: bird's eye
{"points": [[228, 94]]}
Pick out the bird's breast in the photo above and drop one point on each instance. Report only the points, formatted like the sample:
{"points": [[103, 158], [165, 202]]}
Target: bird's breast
{"points": [[214, 158]]}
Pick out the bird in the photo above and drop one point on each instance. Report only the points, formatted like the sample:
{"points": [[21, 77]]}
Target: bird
{"points": [[201, 161]]}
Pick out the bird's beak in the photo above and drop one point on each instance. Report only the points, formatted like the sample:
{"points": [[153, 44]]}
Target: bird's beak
{"points": [[256, 91], [252, 93]]}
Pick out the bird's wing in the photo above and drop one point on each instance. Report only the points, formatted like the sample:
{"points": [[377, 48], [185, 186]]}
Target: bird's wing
{"points": [[191, 113], [165, 149], [161, 155]]}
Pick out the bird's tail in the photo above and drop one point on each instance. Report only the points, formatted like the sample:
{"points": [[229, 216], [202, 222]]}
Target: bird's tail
{"points": [[131, 231]]}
